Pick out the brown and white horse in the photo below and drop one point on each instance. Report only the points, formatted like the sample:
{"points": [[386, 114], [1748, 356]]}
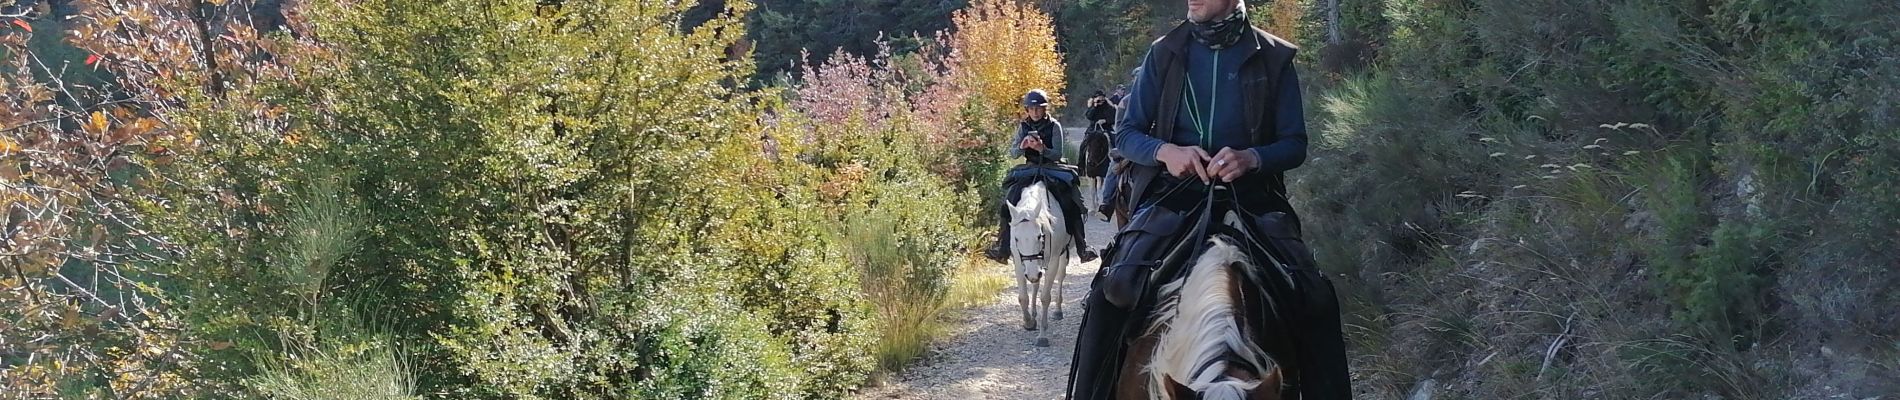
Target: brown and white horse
{"points": [[1201, 340]]}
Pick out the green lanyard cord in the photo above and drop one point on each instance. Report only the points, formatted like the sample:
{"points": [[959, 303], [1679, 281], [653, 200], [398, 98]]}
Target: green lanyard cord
{"points": [[1206, 126]]}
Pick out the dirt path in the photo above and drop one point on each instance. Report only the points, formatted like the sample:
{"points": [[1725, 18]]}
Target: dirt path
{"points": [[988, 355]]}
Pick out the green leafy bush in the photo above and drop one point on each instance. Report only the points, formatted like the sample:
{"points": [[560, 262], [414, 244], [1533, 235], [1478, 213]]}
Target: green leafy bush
{"points": [[1638, 198]]}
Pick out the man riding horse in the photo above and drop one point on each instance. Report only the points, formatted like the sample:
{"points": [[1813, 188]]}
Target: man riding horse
{"points": [[1039, 141], [1215, 103]]}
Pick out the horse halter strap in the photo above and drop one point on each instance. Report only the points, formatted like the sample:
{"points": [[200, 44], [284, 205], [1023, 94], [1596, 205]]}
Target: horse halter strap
{"points": [[1232, 360], [1038, 255]]}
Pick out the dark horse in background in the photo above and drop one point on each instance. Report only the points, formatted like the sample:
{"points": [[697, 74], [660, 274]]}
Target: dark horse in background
{"points": [[1095, 162]]}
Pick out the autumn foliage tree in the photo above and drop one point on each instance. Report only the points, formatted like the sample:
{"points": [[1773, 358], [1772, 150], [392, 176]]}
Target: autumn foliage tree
{"points": [[470, 199], [1005, 48], [263, 209], [100, 94]]}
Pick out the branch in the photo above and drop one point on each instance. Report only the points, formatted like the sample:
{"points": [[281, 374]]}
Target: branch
{"points": [[30, 124], [57, 82], [111, 310], [1555, 345]]}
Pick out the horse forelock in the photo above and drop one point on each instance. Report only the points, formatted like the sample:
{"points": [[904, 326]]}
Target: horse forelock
{"points": [[1205, 328], [1035, 204]]}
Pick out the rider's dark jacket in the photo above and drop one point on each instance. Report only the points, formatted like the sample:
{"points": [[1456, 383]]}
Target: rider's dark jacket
{"points": [[1102, 112], [1249, 92], [1052, 137]]}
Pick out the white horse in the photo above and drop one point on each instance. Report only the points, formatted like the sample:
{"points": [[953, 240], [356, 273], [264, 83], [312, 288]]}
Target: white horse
{"points": [[1041, 246]]}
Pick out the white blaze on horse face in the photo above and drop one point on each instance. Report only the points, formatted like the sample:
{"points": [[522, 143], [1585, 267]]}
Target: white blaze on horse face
{"points": [[1027, 241]]}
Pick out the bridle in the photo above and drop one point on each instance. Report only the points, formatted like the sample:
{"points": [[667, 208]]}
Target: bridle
{"points": [[1033, 257], [1232, 360]]}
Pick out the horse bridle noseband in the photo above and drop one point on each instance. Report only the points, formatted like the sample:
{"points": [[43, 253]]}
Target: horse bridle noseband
{"points": [[1232, 360], [1038, 255]]}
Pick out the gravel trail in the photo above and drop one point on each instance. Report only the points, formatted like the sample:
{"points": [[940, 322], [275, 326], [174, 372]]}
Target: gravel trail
{"points": [[988, 355]]}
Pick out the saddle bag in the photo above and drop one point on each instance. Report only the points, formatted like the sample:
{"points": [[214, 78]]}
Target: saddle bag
{"points": [[1314, 296], [1135, 254]]}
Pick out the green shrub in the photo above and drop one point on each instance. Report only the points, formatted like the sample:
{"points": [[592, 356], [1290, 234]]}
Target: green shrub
{"points": [[1686, 188]]}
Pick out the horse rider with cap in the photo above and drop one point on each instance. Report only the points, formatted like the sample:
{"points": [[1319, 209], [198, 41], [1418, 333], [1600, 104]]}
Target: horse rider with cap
{"points": [[1038, 141]]}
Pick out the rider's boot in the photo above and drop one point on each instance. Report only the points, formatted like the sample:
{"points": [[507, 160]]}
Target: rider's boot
{"points": [[999, 251], [1082, 250]]}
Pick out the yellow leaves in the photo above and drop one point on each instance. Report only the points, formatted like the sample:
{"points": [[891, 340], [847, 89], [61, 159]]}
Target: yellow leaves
{"points": [[8, 146], [99, 123], [1283, 19], [1007, 48], [847, 181], [143, 125]]}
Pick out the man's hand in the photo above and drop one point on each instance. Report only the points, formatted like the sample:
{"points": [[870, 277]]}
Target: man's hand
{"points": [[1184, 161], [1230, 164]]}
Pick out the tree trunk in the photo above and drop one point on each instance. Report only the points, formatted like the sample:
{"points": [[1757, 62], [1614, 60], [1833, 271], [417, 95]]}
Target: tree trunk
{"points": [[1333, 36]]}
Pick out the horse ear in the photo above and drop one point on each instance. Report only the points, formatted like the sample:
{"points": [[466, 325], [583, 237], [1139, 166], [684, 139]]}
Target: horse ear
{"points": [[1176, 390], [1269, 388]]}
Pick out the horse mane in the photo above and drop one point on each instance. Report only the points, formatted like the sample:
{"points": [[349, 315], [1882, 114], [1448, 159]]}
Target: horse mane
{"points": [[1205, 328], [1034, 197]]}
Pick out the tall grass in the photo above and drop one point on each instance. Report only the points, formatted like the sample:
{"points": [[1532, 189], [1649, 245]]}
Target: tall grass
{"points": [[911, 294], [374, 371]]}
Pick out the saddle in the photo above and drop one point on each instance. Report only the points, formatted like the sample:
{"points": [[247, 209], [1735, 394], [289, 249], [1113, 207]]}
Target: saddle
{"points": [[1053, 173], [1171, 231]]}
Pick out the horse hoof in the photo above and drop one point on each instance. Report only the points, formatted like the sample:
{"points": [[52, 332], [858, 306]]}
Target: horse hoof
{"points": [[1042, 342], [1057, 317], [1031, 328]]}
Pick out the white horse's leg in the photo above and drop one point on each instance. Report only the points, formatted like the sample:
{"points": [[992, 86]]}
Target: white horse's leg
{"points": [[1042, 308], [1061, 283], [1023, 288]]}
